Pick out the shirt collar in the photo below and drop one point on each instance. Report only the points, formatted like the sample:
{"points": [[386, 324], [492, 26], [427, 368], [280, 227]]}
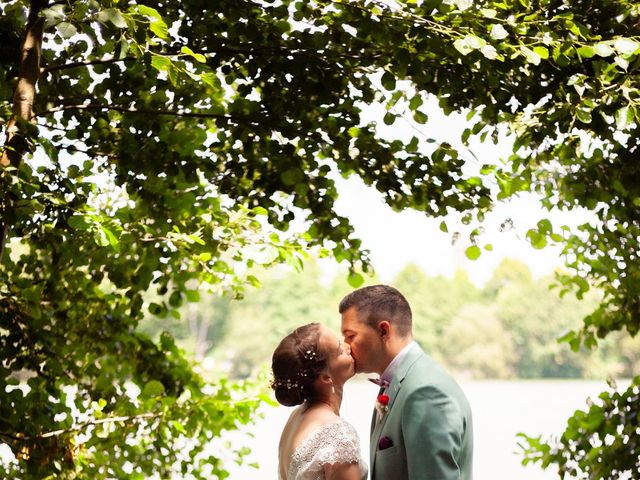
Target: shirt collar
{"points": [[390, 371]]}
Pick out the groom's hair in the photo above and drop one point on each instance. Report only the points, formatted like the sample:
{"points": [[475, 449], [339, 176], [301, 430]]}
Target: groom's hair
{"points": [[380, 302]]}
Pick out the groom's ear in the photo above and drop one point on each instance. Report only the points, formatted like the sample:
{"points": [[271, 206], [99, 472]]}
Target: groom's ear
{"points": [[383, 328]]}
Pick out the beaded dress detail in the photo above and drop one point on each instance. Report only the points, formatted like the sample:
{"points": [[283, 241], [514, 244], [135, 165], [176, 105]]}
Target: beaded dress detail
{"points": [[335, 442]]}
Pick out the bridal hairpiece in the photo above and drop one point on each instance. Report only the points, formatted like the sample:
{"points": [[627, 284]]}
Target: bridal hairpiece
{"points": [[299, 377], [288, 384]]}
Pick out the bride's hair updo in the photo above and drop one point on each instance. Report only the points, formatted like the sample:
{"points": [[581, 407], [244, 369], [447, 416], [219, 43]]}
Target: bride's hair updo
{"points": [[296, 364]]}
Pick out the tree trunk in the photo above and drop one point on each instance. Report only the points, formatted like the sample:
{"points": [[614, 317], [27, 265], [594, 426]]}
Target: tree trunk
{"points": [[23, 97]]}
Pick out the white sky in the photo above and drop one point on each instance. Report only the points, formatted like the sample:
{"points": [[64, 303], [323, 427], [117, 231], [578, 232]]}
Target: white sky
{"points": [[397, 239]]}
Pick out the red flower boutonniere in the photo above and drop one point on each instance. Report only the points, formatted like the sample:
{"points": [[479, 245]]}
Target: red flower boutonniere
{"points": [[382, 405]]}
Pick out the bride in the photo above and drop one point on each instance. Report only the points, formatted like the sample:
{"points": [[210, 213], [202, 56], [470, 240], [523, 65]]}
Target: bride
{"points": [[310, 367]]}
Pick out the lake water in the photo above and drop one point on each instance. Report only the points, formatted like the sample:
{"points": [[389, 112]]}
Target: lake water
{"points": [[501, 409]]}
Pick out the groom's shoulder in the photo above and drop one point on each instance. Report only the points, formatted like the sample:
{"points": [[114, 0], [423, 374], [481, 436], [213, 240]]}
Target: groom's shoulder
{"points": [[427, 371]]}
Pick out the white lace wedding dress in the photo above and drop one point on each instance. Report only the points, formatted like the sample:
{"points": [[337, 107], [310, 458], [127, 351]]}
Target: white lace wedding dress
{"points": [[334, 442]]}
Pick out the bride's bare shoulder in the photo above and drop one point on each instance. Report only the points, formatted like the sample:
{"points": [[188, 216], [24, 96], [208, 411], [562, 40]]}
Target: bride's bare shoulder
{"points": [[305, 421]]}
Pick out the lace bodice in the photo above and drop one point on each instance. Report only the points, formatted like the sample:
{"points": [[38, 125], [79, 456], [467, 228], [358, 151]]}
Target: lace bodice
{"points": [[334, 442]]}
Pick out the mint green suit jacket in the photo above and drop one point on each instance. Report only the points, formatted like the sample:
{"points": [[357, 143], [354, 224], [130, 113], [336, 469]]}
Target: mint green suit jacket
{"points": [[428, 423]]}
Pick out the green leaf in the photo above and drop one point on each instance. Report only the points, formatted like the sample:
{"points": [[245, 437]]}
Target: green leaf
{"points": [[197, 56], [415, 102], [66, 29], [178, 426], [473, 252], [530, 55], [355, 279], [474, 42], [53, 15], [602, 49], [498, 32], [155, 309], [193, 296], [626, 46], [353, 132], [114, 16], [583, 115], [175, 300], [420, 117], [100, 237], [542, 52], [389, 118], [537, 240], [489, 51], [292, 176], [161, 63], [156, 24], [412, 146], [160, 29], [112, 239], [463, 47], [624, 117], [79, 222], [586, 51], [210, 79], [152, 389], [544, 226], [254, 281], [388, 81]]}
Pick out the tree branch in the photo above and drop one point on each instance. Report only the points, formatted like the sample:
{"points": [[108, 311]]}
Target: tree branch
{"points": [[23, 97], [145, 111], [82, 426], [66, 66], [222, 50], [24, 94]]}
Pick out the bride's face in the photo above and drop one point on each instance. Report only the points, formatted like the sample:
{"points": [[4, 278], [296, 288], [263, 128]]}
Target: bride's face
{"points": [[339, 359]]}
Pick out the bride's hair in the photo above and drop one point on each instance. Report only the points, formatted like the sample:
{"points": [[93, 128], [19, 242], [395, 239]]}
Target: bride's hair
{"points": [[296, 363]]}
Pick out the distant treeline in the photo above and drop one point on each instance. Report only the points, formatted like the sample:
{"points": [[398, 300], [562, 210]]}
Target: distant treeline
{"points": [[506, 329]]}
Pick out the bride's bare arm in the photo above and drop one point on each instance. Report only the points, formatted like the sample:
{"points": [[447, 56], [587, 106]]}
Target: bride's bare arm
{"points": [[342, 471]]}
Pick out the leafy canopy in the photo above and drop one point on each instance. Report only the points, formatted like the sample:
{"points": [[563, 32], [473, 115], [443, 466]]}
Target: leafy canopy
{"points": [[149, 146]]}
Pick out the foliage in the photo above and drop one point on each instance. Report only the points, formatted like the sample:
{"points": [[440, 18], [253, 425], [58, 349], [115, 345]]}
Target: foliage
{"points": [[477, 344], [158, 147], [490, 332], [598, 443]]}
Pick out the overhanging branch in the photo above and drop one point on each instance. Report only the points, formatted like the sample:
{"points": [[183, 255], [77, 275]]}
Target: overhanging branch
{"points": [[249, 50], [146, 111], [82, 426]]}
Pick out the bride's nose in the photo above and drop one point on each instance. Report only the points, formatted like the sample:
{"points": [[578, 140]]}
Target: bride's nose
{"points": [[347, 348]]}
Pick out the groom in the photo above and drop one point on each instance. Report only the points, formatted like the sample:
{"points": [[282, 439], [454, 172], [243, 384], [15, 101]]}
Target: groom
{"points": [[421, 429]]}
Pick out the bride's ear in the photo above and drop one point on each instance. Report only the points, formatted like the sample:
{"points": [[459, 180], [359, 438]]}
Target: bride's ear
{"points": [[328, 381], [324, 380]]}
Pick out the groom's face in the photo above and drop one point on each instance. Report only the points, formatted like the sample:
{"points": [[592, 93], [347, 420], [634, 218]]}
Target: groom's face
{"points": [[364, 341]]}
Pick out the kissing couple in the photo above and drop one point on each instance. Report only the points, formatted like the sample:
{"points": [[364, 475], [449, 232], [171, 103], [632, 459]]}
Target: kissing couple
{"points": [[421, 425]]}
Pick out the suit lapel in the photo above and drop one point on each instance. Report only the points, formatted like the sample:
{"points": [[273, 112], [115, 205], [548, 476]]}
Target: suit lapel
{"points": [[376, 426]]}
